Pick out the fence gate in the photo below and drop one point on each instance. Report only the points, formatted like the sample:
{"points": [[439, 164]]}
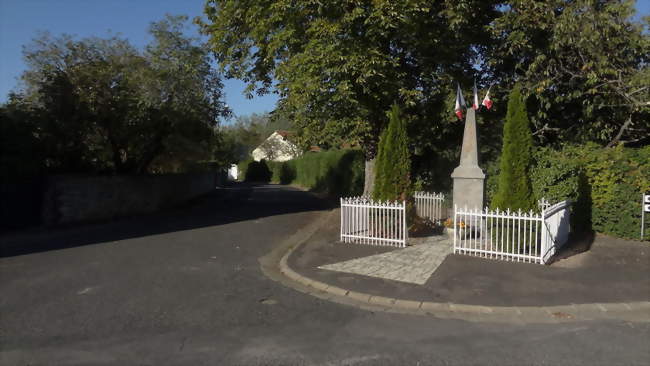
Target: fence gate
{"points": [[372, 222], [429, 206]]}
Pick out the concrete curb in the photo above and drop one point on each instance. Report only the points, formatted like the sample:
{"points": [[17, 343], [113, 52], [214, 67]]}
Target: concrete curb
{"points": [[630, 311]]}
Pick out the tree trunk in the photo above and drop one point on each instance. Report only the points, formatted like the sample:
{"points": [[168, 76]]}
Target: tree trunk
{"points": [[369, 182]]}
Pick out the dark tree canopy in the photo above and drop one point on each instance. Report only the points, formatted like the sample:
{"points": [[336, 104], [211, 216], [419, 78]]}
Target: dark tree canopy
{"points": [[101, 105], [337, 65], [584, 64]]}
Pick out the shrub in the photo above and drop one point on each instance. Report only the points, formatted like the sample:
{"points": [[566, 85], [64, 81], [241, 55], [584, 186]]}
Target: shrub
{"points": [[335, 172], [514, 187], [616, 178], [242, 167], [257, 171], [392, 175], [605, 185]]}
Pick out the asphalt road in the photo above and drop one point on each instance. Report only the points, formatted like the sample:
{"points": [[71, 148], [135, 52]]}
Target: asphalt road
{"points": [[184, 287]]}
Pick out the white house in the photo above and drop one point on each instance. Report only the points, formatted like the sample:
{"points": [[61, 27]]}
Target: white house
{"points": [[276, 147]]}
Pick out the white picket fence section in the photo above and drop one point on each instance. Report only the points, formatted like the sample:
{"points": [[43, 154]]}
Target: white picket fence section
{"points": [[429, 205], [366, 221], [518, 236]]}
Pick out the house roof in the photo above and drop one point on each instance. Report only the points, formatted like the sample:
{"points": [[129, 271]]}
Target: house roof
{"points": [[284, 133]]}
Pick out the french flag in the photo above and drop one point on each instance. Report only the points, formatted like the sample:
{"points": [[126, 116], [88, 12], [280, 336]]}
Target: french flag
{"points": [[460, 103], [486, 101]]}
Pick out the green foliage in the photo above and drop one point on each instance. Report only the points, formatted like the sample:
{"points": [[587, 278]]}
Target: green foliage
{"points": [[616, 179], [257, 171], [20, 154], [242, 167], [557, 176], [338, 64], [605, 185], [102, 106], [335, 172], [393, 178], [514, 187], [584, 62]]}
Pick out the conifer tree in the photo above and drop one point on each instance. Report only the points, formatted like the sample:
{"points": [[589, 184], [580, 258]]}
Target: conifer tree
{"points": [[392, 180], [514, 188]]}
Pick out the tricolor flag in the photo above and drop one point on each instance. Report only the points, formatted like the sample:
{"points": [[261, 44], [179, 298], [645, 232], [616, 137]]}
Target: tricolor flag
{"points": [[486, 101], [475, 104], [460, 103]]}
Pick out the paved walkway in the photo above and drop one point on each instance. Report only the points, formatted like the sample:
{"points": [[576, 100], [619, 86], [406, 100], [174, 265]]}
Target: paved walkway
{"points": [[414, 264]]}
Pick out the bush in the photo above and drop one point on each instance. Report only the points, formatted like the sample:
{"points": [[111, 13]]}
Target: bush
{"points": [[393, 164], [605, 185], [335, 172], [514, 187], [257, 171], [616, 179], [242, 167]]}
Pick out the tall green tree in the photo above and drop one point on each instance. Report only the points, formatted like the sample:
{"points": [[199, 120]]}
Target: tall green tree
{"points": [[101, 105], [514, 185], [393, 169], [337, 64], [585, 63]]}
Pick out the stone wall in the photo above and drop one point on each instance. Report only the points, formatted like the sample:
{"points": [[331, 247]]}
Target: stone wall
{"points": [[69, 199]]}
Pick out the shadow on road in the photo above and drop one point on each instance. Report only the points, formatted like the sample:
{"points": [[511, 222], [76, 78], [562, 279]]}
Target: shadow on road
{"points": [[236, 203]]}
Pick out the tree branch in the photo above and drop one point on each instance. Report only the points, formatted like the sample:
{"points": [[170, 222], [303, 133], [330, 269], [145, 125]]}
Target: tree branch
{"points": [[618, 136]]}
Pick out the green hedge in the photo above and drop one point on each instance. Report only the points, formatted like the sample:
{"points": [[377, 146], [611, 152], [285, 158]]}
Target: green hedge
{"points": [[605, 185], [336, 172]]}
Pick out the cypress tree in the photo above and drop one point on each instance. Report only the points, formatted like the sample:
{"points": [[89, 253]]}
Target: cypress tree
{"points": [[392, 174], [514, 188]]}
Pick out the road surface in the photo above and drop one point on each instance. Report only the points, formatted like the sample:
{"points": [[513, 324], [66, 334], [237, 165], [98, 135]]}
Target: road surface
{"points": [[184, 287]]}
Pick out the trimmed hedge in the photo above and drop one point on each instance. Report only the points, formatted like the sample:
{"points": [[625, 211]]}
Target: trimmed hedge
{"points": [[335, 172], [605, 185]]}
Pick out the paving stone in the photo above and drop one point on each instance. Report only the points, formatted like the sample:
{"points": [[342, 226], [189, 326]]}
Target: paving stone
{"points": [[414, 264]]}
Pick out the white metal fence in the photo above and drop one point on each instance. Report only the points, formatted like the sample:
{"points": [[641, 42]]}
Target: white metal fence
{"points": [[429, 206], [517, 236], [370, 222]]}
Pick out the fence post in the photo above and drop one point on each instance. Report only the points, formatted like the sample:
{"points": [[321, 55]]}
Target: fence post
{"points": [[544, 239], [404, 223], [342, 213], [454, 229]]}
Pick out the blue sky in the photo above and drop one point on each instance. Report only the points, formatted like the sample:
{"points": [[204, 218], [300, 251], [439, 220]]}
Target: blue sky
{"points": [[20, 20]]}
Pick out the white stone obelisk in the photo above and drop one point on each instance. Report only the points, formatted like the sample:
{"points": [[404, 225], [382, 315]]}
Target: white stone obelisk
{"points": [[468, 177]]}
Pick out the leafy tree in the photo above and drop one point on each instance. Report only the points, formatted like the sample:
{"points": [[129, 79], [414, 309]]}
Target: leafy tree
{"points": [[514, 186], [393, 180], [337, 64], [101, 105], [20, 154], [585, 63]]}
